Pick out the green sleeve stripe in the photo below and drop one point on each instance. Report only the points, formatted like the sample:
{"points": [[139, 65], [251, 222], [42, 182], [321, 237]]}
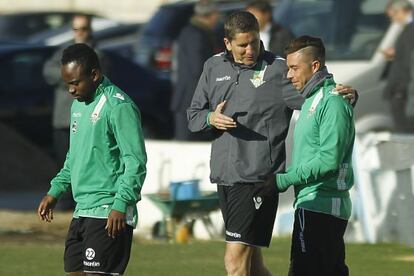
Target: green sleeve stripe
{"points": [[208, 119]]}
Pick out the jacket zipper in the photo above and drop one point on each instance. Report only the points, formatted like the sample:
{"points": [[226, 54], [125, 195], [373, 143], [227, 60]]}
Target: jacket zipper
{"points": [[229, 155]]}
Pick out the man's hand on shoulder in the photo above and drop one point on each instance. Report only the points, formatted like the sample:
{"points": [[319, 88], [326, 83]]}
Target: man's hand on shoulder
{"points": [[115, 223], [347, 92], [45, 209], [220, 121]]}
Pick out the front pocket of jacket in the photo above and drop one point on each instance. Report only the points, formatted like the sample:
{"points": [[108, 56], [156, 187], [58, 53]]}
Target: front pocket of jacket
{"points": [[253, 158]]}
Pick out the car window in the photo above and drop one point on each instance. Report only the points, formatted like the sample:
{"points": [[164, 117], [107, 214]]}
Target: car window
{"points": [[25, 82], [350, 29], [14, 27]]}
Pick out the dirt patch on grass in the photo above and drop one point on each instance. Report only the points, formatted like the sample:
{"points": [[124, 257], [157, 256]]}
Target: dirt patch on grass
{"points": [[409, 258], [26, 227], [19, 227]]}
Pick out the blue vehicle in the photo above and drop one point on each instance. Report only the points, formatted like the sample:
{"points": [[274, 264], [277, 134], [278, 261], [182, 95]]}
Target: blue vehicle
{"points": [[20, 26], [27, 100]]}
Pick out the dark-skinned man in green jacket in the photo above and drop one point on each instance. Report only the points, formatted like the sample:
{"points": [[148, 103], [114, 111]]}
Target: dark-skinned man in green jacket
{"points": [[105, 168]]}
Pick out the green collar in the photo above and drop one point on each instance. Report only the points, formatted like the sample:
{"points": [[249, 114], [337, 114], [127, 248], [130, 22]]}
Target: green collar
{"points": [[326, 83], [101, 87]]}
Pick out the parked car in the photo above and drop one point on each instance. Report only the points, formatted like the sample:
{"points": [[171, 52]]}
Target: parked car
{"points": [[54, 28], [106, 32], [20, 26], [27, 100]]}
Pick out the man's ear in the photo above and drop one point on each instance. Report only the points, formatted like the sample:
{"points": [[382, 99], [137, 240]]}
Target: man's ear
{"points": [[227, 42], [96, 74], [316, 65]]}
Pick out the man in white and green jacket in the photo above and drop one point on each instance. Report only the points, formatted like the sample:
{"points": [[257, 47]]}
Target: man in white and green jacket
{"points": [[105, 168], [321, 169]]}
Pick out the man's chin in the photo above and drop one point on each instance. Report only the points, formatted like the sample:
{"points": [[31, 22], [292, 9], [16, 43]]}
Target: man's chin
{"points": [[79, 99], [298, 87], [249, 62]]}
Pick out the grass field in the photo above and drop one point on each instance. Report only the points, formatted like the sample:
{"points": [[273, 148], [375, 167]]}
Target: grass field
{"points": [[30, 248]]}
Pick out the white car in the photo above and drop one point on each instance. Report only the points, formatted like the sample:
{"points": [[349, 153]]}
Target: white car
{"points": [[354, 33]]}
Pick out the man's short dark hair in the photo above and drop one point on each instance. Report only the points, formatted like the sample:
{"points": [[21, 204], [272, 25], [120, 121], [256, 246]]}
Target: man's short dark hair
{"points": [[310, 46], [83, 55], [261, 5], [240, 22]]}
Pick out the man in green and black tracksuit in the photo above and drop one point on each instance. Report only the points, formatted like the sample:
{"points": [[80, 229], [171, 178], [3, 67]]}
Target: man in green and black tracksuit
{"points": [[321, 169], [105, 168]]}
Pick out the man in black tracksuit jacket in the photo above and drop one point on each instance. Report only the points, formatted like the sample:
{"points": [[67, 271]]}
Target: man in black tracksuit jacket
{"points": [[244, 98], [396, 90], [250, 152], [195, 45]]}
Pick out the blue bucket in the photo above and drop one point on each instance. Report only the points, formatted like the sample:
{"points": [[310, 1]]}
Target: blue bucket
{"points": [[182, 190]]}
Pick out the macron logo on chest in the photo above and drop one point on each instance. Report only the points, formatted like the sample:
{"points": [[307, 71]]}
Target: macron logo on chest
{"points": [[119, 96], [225, 78]]}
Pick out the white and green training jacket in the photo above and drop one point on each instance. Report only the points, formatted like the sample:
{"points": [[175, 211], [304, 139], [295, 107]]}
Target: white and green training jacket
{"points": [[321, 169], [106, 163]]}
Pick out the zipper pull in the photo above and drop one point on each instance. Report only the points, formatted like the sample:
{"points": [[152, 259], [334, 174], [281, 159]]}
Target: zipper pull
{"points": [[237, 78]]}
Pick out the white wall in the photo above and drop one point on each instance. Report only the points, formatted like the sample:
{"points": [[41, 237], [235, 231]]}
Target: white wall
{"points": [[384, 192]]}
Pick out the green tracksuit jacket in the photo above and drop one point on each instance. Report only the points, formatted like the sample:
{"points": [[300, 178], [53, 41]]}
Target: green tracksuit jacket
{"points": [[106, 163], [321, 169]]}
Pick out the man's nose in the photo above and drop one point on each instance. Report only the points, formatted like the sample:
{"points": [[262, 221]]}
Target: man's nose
{"points": [[249, 49], [71, 89]]}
